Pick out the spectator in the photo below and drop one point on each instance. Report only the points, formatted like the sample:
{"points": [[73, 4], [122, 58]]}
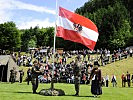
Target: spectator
{"points": [[132, 78], [103, 81], [28, 76], [114, 81], [13, 74], [96, 63], [108, 55], [21, 75], [128, 79], [123, 78], [83, 79], [49, 78], [131, 52], [107, 80]]}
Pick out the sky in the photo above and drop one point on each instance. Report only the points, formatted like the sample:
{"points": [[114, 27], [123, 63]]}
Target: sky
{"points": [[31, 13]]}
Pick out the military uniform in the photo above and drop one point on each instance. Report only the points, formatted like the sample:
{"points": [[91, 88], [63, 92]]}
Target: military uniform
{"points": [[13, 73], [21, 75], [77, 74], [35, 73], [28, 76]]}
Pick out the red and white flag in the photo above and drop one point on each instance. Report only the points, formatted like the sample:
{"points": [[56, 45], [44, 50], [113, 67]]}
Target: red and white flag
{"points": [[76, 28]]}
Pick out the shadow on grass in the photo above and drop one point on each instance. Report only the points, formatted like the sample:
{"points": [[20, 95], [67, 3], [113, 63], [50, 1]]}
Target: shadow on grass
{"points": [[17, 92], [76, 96], [81, 96], [23, 92]]}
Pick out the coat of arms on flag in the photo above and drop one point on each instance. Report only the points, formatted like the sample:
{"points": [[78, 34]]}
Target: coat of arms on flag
{"points": [[77, 27]]}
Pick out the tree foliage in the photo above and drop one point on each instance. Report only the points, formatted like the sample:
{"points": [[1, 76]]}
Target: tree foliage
{"points": [[113, 20], [36, 37], [9, 36]]}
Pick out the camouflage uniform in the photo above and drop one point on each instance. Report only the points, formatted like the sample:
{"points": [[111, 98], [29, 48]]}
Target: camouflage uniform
{"points": [[35, 73], [77, 74], [13, 73]]}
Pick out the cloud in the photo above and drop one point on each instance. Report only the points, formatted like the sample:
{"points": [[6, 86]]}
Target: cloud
{"points": [[4, 17], [15, 4], [5, 14], [7, 8], [21, 5], [36, 22]]}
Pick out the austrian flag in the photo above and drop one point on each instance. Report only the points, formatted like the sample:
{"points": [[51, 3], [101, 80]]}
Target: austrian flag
{"points": [[76, 28]]}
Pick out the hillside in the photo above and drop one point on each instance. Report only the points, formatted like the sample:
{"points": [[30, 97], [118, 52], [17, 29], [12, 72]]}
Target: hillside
{"points": [[118, 68]]}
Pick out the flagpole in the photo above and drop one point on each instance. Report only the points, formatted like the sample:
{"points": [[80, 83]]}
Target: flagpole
{"points": [[52, 81]]}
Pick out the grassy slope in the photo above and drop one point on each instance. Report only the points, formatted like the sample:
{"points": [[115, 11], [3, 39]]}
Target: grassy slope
{"points": [[118, 68]]}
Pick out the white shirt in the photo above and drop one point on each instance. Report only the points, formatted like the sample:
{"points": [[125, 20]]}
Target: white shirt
{"points": [[107, 77], [131, 51], [93, 77]]}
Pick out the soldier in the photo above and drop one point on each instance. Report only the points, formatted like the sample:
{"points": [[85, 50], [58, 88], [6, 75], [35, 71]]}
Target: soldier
{"points": [[13, 74], [21, 75], [28, 76], [35, 73], [77, 74]]}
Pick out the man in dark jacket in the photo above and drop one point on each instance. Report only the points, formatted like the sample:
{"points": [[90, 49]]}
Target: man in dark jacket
{"points": [[13, 74], [128, 79], [35, 73], [21, 75], [28, 76]]}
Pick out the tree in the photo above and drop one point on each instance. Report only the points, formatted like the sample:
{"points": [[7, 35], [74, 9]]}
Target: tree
{"points": [[25, 38], [32, 43], [9, 36], [113, 19], [41, 37]]}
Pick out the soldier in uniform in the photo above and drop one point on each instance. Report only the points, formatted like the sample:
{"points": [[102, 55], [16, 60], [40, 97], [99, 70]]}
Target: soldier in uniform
{"points": [[13, 74], [35, 73], [28, 76], [77, 74], [21, 75]]}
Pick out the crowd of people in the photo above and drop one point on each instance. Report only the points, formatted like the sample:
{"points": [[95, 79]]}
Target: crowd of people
{"points": [[127, 78], [102, 57], [63, 71], [64, 65]]}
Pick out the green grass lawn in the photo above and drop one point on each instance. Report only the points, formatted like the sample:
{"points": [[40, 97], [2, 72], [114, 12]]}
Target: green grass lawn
{"points": [[23, 91]]}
